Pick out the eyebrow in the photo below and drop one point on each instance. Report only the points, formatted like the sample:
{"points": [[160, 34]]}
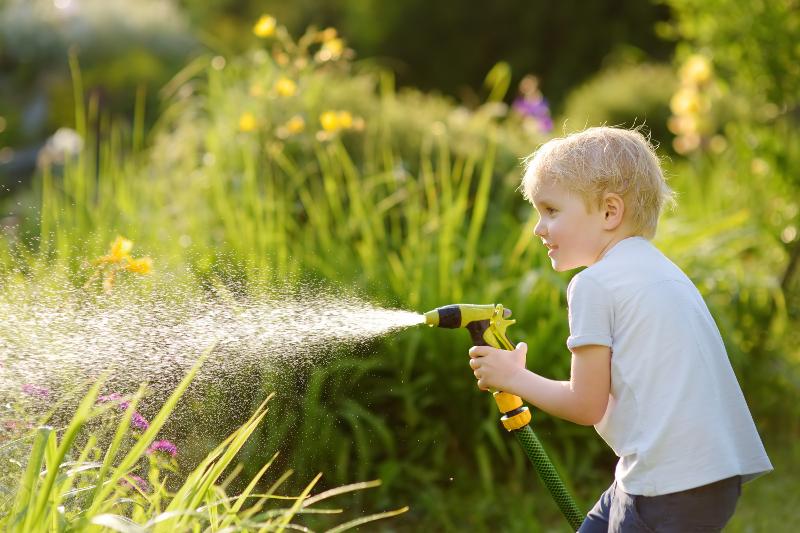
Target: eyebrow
{"points": [[544, 202]]}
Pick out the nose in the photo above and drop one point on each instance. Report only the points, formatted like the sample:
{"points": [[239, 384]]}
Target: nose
{"points": [[539, 230]]}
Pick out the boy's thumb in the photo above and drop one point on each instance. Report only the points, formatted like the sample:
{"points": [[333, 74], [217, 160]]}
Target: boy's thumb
{"points": [[522, 346]]}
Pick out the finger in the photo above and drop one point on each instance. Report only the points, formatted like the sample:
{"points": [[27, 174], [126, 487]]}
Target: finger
{"points": [[474, 363], [478, 351], [476, 374], [522, 347]]}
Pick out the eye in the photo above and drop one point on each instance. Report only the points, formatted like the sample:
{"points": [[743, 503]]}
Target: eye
{"points": [[549, 210]]}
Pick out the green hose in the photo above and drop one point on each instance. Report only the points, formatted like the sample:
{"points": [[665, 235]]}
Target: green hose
{"points": [[549, 476]]}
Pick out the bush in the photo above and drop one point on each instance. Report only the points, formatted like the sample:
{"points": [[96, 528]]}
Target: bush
{"points": [[122, 49], [627, 94]]}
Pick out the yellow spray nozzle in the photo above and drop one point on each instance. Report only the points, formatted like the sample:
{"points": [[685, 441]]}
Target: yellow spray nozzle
{"points": [[486, 323], [461, 315]]}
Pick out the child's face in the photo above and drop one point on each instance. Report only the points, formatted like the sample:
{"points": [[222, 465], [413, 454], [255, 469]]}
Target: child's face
{"points": [[573, 236]]}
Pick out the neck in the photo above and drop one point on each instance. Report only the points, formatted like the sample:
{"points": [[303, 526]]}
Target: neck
{"points": [[613, 239]]}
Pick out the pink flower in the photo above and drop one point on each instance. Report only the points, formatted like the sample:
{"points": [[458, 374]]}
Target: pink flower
{"points": [[139, 422], [36, 391], [163, 446], [113, 397], [138, 482]]}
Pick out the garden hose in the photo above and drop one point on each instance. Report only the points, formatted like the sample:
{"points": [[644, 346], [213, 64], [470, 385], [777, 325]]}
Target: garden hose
{"points": [[487, 326]]}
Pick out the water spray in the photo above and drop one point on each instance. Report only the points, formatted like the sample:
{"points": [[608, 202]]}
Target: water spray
{"points": [[487, 325]]}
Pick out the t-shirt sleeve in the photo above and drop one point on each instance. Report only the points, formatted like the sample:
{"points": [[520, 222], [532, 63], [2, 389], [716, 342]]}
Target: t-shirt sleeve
{"points": [[591, 313]]}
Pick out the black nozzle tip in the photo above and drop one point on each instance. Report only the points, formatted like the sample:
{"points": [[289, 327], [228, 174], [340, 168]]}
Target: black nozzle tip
{"points": [[449, 316]]}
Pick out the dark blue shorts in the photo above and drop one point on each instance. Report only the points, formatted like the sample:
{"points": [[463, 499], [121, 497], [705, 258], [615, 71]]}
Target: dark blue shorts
{"points": [[706, 508]]}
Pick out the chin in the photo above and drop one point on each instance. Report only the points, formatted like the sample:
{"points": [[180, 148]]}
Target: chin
{"points": [[563, 267]]}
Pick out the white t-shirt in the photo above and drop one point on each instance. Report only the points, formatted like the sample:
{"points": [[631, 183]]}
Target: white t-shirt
{"points": [[676, 418]]}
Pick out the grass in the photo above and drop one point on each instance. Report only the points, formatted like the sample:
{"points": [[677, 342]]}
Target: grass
{"points": [[771, 503], [62, 489]]}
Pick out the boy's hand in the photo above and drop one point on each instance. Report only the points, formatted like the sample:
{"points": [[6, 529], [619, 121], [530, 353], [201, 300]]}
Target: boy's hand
{"points": [[494, 368]]}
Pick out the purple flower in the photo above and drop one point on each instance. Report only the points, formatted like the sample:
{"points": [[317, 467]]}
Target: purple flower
{"points": [[140, 483], [163, 446], [535, 108], [531, 107], [139, 422], [36, 391], [113, 397]]}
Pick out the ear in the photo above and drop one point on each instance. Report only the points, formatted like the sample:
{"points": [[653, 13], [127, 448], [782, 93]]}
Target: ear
{"points": [[612, 207]]}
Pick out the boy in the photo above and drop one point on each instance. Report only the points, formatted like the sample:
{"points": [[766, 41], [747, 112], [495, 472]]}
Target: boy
{"points": [[649, 368]]}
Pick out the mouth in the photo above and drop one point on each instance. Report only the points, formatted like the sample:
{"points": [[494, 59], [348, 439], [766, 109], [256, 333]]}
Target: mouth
{"points": [[550, 249]]}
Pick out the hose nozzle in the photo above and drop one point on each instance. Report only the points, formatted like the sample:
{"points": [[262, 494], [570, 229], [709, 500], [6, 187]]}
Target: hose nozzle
{"points": [[486, 323], [461, 315]]}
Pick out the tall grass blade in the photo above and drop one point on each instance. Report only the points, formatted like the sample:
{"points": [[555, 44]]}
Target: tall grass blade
{"points": [[113, 448], [479, 211], [341, 490], [78, 420], [146, 438], [198, 483], [367, 519], [26, 492], [288, 515], [121, 524]]}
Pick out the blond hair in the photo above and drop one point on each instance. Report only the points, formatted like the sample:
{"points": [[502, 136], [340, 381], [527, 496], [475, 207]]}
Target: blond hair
{"points": [[600, 160]]}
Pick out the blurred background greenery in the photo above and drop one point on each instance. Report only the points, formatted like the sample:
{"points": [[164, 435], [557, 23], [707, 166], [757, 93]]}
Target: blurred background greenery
{"points": [[377, 147]]}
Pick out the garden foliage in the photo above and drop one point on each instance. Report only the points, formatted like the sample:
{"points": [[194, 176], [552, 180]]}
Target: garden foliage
{"points": [[286, 164]]}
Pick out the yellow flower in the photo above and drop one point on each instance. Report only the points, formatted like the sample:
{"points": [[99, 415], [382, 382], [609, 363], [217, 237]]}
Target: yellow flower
{"points": [[686, 101], [143, 265], [118, 259], [683, 124], [120, 250], [333, 121], [296, 124], [345, 119], [696, 69], [328, 34], [329, 121], [331, 49], [285, 87], [265, 27], [247, 122]]}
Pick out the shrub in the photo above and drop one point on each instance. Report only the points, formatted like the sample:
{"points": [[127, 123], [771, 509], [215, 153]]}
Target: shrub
{"points": [[626, 94]]}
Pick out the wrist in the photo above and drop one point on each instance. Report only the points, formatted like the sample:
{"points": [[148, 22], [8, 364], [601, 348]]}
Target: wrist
{"points": [[516, 382]]}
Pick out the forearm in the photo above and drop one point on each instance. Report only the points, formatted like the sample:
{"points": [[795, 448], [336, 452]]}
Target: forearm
{"points": [[558, 398]]}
